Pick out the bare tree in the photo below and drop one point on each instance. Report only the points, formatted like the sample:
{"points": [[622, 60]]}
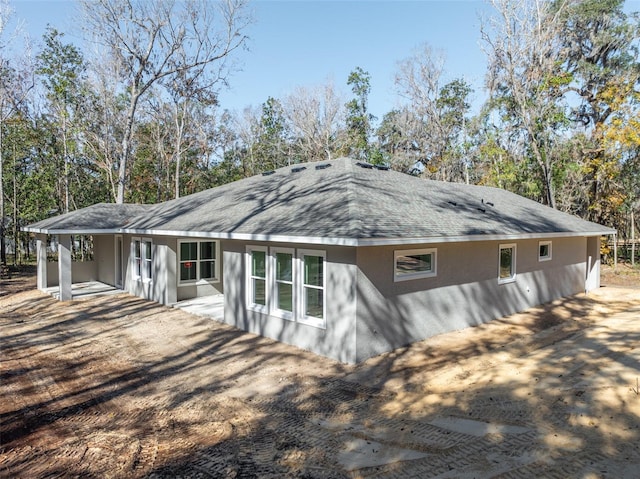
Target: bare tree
{"points": [[399, 137], [16, 81], [106, 115], [525, 78], [189, 40], [179, 127], [435, 113], [316, 117]]}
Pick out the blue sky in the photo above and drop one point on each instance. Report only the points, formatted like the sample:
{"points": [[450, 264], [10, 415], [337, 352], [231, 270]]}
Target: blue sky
{"points": [[308, 42]]}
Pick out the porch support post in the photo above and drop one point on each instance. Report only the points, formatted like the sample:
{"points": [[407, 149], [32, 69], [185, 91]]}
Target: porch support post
{"points": [[41, 261], [64, 267]]}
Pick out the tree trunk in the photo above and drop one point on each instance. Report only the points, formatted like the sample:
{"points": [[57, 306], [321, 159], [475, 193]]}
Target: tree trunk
{"points": [[178, 146], [3, 253], [633, 239], [15, 210], [126, 145], [65, 152]]}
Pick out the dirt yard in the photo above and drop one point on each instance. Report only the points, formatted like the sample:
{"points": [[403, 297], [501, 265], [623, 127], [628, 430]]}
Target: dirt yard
{"points": [[114, 386]]}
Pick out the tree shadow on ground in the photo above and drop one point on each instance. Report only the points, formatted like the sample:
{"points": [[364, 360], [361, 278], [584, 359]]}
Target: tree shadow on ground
{"points": [[121, 386]]}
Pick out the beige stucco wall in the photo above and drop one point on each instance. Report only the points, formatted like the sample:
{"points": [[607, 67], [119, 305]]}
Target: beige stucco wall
{"points": [[81, 271]]}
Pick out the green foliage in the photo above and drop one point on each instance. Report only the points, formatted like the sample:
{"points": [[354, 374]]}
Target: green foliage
{"points": [[359, 120], [62, 69], [271, 149]]}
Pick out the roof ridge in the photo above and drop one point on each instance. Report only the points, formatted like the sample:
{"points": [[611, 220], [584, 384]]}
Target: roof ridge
{"points": [[355, 222]]}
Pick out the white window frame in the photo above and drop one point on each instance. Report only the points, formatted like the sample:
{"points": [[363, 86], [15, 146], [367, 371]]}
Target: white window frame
{"points": [[142, 274], [249, 279], [549, 244], [216, 260], [420, 274], [275, 310], [301, 316], [135, 273], [511, 278]]}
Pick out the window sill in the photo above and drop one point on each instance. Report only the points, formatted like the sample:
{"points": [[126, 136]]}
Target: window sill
{"points": [[286, 315], [314, 322], [198, 282], [258, 308], [408, 277], [507, 280]]}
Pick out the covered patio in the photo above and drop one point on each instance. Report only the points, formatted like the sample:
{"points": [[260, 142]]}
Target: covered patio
{"points": [[211, 306], [84, 290]]}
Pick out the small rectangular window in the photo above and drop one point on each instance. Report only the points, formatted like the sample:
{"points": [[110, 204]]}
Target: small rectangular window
{"points": [[544, 250], [414, 264], [507, 263]]}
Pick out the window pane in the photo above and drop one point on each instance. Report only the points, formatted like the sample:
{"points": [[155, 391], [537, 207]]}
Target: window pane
{"points": [[207, 250], [544, 250], [313, 302], [147, 250], [258, 263], [313, 270], [259, 291], [284, 261], [285, 296], [415, 263], [147, 269], [187, 271], [506, 263], [207, 270], [188, 251], [136, 249]]}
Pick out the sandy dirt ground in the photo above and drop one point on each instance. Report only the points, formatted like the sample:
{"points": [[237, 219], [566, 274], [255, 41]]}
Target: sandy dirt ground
{"points": [[114, 386]]}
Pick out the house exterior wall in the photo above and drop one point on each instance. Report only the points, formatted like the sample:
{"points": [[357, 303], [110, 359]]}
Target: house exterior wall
{"points": [[81, 272], [465, 292], [593, 264], [104, 254], [336, 341], [162, 285]]}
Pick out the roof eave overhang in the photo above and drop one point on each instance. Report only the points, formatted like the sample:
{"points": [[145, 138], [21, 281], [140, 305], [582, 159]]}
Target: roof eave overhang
{"points": [[329, 241], [480, 237], [71, 231]]}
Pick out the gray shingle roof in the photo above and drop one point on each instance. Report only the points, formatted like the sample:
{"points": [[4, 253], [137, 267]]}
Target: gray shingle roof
{"points": [[345, 203], [102, 217]]}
